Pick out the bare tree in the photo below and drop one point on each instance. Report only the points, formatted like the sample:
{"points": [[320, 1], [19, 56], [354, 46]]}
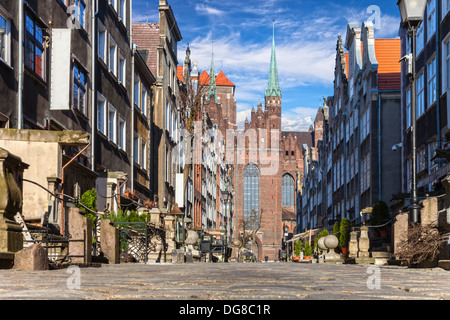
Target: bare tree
{"points": [[422, 244], [248, 227]]}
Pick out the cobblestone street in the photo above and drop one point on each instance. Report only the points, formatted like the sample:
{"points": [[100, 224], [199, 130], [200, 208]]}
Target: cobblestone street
{"points": [[231, 281]]}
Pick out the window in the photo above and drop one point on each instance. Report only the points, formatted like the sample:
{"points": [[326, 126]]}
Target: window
{"points": [[136, 147], [122, 133], [421, 160], [251, 191], [365, 124], [122, 10], [432, 89], [34, 48], [167, 116], [446, 58], [420, 96], [5, 40], [79, 90], [419, 40], [445, 8], [112, 116], [288, 192], [144, 101], [80, 13], [431, 19], [101, 41], [432, 164], [112, 56], [101, 114], [122, 69], [143, 162], [137, 90], [408, 108], [408, 175]]}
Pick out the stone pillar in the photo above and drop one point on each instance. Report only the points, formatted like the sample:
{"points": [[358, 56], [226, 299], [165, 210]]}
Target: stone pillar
{"points": [[169, 222], [110, 245], [11, 238], [429, 212], [53, 216], [79, 225], [353, 245], [444, 221], [364, 243], [110, 201], [400, 230]]}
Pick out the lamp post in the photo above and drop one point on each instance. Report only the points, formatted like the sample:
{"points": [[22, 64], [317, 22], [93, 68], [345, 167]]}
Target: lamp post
{"points": [[226, 197], [412, 12]]}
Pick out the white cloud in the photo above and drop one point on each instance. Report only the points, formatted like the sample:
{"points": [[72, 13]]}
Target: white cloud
{"points": [[206, 10]]}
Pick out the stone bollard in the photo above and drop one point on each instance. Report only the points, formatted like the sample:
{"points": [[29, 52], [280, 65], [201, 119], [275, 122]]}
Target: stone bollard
{"points": [[353, 245], [110, 245], [11, 238], [364, 243], [79, 226], [33, 258]]}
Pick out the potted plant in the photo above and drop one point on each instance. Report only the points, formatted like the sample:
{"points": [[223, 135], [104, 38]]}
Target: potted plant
{"points": [[307, 251], [344, 235], [297, 250]]}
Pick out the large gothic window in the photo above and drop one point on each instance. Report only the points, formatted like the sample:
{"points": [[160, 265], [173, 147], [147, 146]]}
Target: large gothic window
{"points": [[251, 190], [288, 191]]}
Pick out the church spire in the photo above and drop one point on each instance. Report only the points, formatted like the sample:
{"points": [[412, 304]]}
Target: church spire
{"points": [[273, 90], [212, 92]]}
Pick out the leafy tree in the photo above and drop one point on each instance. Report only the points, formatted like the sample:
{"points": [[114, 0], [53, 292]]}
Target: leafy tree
{"points": [[336, 227], [307, 249], [88, 204]]}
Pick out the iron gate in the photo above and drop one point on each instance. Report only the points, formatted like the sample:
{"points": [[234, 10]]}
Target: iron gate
{"points": [[138, 239]]}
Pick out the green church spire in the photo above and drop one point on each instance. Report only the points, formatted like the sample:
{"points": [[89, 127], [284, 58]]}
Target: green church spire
{"points": [[273, 90], [212, 92]]}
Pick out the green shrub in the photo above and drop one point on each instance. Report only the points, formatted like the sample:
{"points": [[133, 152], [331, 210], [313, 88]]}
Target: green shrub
{"points": [[307, 250], [344, 235], [380, 215], [89, 200], [297, 248], [336, 227]]}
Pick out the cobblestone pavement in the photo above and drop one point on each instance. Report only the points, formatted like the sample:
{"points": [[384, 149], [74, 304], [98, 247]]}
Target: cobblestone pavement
{"points": [[228, 281]]}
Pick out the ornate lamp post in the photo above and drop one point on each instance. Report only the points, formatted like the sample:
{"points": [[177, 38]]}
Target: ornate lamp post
{"points": [[226, 198], [412, 12]]}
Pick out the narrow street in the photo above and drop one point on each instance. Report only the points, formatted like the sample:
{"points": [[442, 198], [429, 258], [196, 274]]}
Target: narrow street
{"points": [[228, 281]]}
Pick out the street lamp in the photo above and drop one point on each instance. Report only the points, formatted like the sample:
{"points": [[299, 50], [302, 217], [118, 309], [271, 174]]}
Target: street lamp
{"points": [[226, 197], [412, 12]]}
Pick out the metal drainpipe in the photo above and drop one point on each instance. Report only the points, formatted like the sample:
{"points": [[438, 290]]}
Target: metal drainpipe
{"points": [[133, 52], [438, 83], [20, 71], [93, 80]]}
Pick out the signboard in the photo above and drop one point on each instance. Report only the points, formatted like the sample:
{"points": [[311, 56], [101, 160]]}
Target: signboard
{"points": [[60, 91]]}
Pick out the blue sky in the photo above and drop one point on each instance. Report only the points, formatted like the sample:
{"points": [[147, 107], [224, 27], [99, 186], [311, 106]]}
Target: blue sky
{"points": [[306, 32]]}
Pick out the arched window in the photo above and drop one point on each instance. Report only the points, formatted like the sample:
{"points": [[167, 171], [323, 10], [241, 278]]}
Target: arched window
{"points": [[251, 190], [288, 191]]}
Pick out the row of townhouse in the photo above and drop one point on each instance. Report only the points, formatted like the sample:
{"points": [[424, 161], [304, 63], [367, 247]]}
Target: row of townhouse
{"points": [[353, 166], [83, 65], [432, 94]]}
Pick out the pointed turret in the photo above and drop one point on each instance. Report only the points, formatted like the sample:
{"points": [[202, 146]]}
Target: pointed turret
{"points": [[273, 90], [212, 92]]}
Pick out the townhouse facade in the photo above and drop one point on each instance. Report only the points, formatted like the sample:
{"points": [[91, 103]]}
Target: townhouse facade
{"points": [[432, 122], [354, 166], [78, 70]]}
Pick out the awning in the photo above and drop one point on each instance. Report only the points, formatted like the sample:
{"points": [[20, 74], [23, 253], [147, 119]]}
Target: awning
{"points": [[304, 235]]}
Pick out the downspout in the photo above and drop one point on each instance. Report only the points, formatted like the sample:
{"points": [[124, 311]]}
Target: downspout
{"points": [[93, 81], [133, 52], [20, 71], [438, 84]]}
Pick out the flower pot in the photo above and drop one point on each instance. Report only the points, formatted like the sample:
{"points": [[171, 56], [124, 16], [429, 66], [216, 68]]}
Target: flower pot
{"points": [[344, 251], [376, 234], [383, 233], [296, 259], [307, 258]]}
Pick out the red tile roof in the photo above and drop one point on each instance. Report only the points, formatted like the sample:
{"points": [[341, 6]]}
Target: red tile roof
{"points": [[180, 73], [221, 80], [389, 68]]}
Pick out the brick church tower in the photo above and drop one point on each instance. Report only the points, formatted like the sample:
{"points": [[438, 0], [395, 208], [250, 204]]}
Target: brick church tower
{"points": [[259, 175]]}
